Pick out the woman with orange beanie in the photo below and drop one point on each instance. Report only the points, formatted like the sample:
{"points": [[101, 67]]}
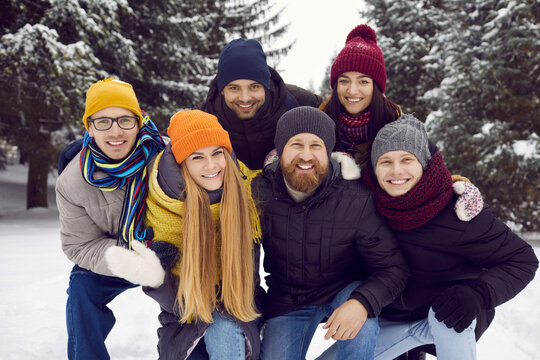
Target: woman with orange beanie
{"points": [[206, 235], [357, 103]]}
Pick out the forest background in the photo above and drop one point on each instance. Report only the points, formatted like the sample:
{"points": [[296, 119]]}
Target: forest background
{"points": [[469, 70]]}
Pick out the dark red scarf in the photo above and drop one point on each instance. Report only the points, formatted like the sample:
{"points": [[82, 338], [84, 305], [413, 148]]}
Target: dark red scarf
{"points": [[356, 127], [422, 203]]}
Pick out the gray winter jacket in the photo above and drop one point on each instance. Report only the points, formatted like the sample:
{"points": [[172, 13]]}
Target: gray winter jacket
{"points": [[88, 218]]}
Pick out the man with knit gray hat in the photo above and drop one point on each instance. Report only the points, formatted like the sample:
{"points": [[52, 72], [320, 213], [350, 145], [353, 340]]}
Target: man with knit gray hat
{"points": [[407, 134], [327, 251]]}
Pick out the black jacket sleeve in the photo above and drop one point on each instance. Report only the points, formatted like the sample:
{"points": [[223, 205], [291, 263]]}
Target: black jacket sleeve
{"points": [[509, 263], [379, 248]]}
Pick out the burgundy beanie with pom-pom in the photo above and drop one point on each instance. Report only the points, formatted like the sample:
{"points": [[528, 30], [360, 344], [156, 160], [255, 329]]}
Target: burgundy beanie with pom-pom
{"points": [[360, 54]]}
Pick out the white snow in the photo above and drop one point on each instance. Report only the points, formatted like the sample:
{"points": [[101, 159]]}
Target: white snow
{"points": [[527, 148], [35, 275]]}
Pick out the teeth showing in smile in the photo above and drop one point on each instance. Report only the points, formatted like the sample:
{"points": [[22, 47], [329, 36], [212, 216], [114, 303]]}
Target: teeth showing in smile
{"points": [[210, 176], [353, 100], [245, 106], [305, 167], [398, 182], [116, 142]]}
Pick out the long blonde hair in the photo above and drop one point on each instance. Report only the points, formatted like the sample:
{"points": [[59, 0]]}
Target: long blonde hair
{"points": [[199, 269]]}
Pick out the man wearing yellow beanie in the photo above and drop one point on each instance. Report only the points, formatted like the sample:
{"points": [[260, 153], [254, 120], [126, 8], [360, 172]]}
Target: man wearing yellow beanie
{"points": [[100, 196]]}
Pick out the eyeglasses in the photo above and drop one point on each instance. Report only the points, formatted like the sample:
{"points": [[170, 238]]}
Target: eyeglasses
{"points": [[105, 123]]}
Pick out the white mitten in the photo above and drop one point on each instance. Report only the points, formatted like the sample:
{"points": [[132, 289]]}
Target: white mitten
{"points": [[469, 203], [140, 266], [349, 168]]}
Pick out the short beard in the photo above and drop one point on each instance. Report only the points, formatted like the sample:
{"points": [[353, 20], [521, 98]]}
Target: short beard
{"points": [[304, 182]]}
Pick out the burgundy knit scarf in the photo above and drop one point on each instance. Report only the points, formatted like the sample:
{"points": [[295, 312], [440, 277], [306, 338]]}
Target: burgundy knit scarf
{"points": [[422, 203], [355, 126]]}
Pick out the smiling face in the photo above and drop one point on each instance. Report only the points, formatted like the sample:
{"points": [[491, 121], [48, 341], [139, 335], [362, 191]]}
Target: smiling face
{"points": [[397, 172], [207, 167], [116, 143], [304, 162], [244, 97], [355, 91]]}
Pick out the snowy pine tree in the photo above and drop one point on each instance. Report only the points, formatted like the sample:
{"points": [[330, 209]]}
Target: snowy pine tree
{"points": [[406, 32], [51, 51], [257, 19], [42, 88], [479, 83]]}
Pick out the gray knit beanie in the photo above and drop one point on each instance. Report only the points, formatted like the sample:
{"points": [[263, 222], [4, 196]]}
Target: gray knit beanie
{"points": [[305, 119], [406, 133]]}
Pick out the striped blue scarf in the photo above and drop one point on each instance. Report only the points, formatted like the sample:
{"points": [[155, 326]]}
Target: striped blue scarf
{"points": [[131, 172]]}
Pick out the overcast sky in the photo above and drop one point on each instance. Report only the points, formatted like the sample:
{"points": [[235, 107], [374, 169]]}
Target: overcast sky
{"points": [[319, 29]]}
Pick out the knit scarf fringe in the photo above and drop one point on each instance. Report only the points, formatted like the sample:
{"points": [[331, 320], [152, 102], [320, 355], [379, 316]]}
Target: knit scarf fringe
{"points": [[422, 203], [131, 171]]}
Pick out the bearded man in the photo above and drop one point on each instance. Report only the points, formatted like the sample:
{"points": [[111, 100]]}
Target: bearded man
{"points": [[328, 252]]}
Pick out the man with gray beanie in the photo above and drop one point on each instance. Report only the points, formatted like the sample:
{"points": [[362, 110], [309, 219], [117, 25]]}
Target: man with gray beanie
{"points": [[248, 97], [407, 134], [327, 251]]}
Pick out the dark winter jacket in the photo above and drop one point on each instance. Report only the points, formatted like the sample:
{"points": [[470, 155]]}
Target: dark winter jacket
{"points": [[446, 252], [314, 248], [252, 139], [177, 341]]}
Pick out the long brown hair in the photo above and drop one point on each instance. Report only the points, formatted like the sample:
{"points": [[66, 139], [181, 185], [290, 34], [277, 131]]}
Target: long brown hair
{"points": [[382, 111], [202, 267]]}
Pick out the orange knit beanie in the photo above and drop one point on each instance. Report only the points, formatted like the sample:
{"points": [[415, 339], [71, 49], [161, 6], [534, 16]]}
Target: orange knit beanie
{"points": [[110, 92], [191, 130]]}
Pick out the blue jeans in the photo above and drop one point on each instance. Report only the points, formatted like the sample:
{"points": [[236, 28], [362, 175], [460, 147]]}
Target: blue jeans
{"points": [[396, 338], [287, 337], [88, 318], [223, 340]]}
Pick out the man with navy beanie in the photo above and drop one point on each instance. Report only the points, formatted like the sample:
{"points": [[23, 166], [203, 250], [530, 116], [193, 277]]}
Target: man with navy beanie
{"points": [[243, 59], [248, 97]]}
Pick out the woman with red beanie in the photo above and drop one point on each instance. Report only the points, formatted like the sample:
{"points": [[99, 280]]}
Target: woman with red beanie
{"points": [[357, 103]]}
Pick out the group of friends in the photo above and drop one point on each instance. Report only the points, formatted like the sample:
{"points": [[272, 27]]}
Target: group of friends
{"points": [[363, 227]]}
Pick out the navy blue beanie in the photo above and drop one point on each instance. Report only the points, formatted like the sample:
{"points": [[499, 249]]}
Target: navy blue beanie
{"points": [[243, 59]]}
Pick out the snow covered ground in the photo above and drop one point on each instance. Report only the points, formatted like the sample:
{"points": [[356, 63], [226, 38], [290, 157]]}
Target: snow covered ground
{"points": [[35, 276]]}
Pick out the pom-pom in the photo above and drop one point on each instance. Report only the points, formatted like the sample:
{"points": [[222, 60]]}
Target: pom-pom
{"points": [[364, 31]]}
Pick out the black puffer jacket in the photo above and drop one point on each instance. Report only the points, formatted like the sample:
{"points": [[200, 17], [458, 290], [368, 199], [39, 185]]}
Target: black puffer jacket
{"points": [[252, 139], [446, 252], [314, 248]]}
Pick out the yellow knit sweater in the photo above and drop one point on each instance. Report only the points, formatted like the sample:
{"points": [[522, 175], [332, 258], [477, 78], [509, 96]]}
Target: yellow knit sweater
{"points": [[165, 214]]}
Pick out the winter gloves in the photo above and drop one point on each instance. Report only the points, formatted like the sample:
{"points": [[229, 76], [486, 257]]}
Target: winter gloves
{"points": [[459, 305], [470, 203], [166, 252], [140, 266]]}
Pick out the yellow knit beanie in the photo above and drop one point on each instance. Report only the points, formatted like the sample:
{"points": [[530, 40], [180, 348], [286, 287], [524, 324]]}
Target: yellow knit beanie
{"points": [[191, 130], [110, 92]]}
